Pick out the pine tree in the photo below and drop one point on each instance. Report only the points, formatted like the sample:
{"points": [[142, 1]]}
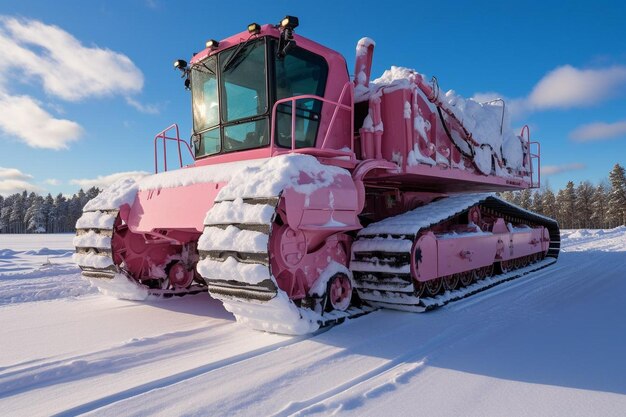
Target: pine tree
{"points": [[91, 193], [583, 205], [599, 205], [28, 211], [570, 205], [60, 213], [1, 206], [6, 213], [616, 210], [2, 223], [506, 195], [525, 198], [549, 204], [537, 202], [34, 214], [560, 210], [16, 219], [74, 210], [49, 213]]}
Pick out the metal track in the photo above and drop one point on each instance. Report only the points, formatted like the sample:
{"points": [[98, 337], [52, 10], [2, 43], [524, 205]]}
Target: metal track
{"points": [[261, 305], [94, 233], [383, 276]]}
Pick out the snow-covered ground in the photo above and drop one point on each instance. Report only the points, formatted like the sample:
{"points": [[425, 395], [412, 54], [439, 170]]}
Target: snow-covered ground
{"points": [[551, 343]]}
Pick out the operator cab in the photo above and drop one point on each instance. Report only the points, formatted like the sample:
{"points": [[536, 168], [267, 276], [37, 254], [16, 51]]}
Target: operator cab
{"points": [[232, 91], [236, 83]]}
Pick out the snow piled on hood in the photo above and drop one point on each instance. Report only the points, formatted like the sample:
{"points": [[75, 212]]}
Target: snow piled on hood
{"points": [[304, 173], [117, 194], [489, 123]]}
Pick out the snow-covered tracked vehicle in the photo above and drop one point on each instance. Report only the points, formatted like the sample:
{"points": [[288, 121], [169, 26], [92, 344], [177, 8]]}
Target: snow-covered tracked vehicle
{"points": [[314, 197]]}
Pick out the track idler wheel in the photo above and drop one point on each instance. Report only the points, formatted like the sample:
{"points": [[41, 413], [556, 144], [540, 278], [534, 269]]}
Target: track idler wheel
{"points": [[433, 286], [506, 266], [339, 293], [179, 276], [451, 282], [467, 278]]}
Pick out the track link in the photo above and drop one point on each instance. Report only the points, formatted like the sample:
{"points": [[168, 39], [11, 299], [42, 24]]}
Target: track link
{"points": [[94, 232], [381, 256]]}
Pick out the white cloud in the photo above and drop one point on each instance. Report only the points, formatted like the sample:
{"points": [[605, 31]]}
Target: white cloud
{"points": [[8, 187], [35, 51], [566, 87], [103, 181], [24, 118], [143, 108], [66, 68], [52, 181], [557, 169], [13, 181], [13, 174], [598, 131]]}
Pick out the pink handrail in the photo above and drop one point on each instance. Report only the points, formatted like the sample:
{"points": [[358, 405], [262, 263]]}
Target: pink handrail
{"points": [[536, 156], [163, 135], [532, 156], [348, 87]]}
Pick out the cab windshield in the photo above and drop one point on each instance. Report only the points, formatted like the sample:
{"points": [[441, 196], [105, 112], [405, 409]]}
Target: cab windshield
{"points": [[232, 94], [240, 92]]}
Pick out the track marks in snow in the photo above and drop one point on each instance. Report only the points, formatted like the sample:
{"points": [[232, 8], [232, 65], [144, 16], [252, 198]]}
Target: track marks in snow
{"points": [[354, 394], [503, 287], [176, 378], [131, 354]]}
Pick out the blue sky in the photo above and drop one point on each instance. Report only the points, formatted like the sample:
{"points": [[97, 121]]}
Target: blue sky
{"points": [[85, 85]]}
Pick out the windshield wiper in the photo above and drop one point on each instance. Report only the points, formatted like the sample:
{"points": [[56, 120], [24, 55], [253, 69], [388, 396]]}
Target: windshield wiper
{"points": [[202, 64], [230, 62]]}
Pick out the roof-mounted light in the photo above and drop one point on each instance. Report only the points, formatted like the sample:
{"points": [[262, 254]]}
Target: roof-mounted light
{"points": [[254, 28], [180, 64], [289, 22], [212, 44]]}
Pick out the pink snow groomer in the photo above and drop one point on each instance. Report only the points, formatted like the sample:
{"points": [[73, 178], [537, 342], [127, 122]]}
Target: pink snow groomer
{"points": [[314, 197]]}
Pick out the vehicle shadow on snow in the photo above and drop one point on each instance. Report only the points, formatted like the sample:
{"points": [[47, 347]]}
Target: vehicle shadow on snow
{"points": [[562, 328], [198, 304]]}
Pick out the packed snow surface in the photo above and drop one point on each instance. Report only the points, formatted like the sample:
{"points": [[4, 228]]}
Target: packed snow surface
{"points": [[546, 344]]}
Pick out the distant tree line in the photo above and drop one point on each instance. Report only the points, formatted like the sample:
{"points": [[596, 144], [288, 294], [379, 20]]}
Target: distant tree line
{"points": [[33, 213], [582, 206]]}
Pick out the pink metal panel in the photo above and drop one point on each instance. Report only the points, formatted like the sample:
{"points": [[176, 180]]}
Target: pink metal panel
{"points": [[234, 156], [424, 254], [394, 136], [334, 207], [465, 253], [524, 243], [182, 208]]}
